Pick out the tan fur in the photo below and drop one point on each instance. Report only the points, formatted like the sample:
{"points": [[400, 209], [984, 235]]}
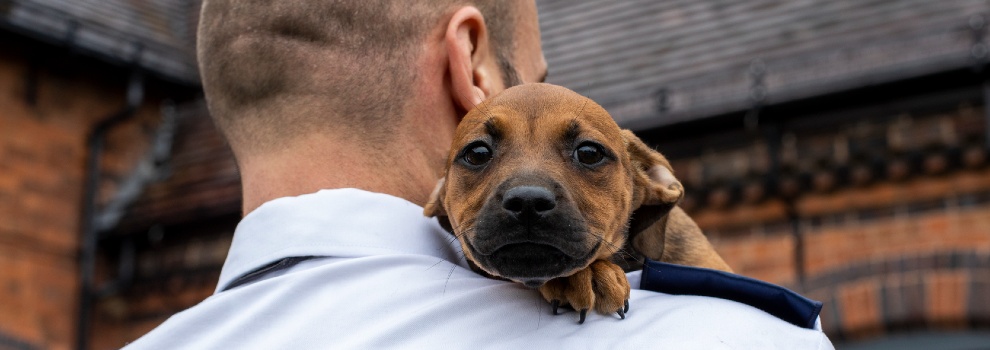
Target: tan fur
{"points": [[679, 241], [528, 119]]}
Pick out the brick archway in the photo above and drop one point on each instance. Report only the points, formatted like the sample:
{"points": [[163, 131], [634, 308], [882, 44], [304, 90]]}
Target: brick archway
{"points": [[943, 290]]}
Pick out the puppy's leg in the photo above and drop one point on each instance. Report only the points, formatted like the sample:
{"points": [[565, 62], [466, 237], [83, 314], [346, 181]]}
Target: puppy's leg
{"points": [[602, 286]]}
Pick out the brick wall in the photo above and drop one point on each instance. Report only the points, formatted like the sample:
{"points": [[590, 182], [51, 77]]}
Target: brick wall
{"points": [[896, 253], [121, 320], [42, 155], [172, 274], [924, 269], [180, 228]]}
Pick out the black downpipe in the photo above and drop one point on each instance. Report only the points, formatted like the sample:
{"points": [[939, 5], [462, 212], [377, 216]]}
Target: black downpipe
{"points": [[794, 218], [95, 143], [773, 135]]}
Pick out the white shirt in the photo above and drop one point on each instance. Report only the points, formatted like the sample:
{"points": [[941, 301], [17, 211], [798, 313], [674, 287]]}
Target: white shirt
{"points": [[387, 277]]}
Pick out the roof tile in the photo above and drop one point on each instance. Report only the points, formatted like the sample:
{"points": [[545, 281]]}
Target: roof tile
{"points": [[620, 53]]}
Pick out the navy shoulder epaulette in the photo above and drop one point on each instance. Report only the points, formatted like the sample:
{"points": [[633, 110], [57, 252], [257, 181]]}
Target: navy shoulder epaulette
{"points": [[775, 300]]}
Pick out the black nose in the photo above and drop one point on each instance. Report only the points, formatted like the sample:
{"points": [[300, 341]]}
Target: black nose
{"points": [[528, 202]]}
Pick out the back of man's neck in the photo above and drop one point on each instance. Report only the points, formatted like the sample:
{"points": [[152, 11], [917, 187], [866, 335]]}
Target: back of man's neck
{"points": [[315, 163]]}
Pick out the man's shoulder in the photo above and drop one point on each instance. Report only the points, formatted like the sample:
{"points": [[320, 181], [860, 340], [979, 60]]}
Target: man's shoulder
{"points": [[417, 301]]}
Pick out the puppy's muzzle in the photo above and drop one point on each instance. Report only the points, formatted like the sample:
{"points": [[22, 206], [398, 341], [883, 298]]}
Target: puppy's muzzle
{"points": [[530, 234]]}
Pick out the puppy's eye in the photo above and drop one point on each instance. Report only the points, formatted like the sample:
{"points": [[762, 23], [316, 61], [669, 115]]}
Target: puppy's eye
{"points": [[589, 154], [477, 154]]}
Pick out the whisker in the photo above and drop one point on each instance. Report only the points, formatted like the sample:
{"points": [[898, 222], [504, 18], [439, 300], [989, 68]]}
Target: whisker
{"points": [[614, 248], [539, 311], [457, 236], [622, 251], [448, 279], [434, 265], [482, 110]]}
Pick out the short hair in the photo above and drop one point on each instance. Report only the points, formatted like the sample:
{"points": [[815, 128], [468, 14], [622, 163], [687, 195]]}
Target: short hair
{"points": [[274, 69]]}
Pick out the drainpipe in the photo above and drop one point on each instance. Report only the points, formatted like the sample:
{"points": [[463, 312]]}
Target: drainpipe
{"points": [[90, 235]]}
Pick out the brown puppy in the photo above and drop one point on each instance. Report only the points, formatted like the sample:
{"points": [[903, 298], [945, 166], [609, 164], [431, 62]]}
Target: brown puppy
{"points": [[543, 188]]}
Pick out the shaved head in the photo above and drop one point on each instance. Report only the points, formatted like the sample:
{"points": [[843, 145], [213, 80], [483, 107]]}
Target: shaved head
{"points": [[273, 70]]}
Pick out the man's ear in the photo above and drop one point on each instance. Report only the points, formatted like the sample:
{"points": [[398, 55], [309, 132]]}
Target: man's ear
{"points": [[434, 207], [474, 71], [656, 190]]}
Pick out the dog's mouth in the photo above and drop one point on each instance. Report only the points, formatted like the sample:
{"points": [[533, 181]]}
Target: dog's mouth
{"points": [[531, 264], [529, 234]]}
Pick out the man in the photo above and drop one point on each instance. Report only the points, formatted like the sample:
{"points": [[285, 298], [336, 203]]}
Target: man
{"points": [[362, 97]]}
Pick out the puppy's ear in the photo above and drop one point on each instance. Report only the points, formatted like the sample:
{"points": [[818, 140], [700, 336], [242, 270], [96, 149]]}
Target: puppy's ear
{"points": [[656, 190], [434, 207], [652, 174]]}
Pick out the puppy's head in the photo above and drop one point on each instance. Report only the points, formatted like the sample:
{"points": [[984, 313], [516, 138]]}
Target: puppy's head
{"points": [[541, 182]]}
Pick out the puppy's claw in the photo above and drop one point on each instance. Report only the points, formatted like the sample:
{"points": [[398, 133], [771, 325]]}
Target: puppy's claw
{"points": [[626, 309], [622, 314], [584, 313], [555, 304]]}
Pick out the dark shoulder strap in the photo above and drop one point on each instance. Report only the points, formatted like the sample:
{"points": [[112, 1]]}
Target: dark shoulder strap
{"points": [[775, 300], [260, 272]]}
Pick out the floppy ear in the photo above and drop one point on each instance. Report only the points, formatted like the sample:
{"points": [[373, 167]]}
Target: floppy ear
{"points": [[434, 207], [655, 189]]}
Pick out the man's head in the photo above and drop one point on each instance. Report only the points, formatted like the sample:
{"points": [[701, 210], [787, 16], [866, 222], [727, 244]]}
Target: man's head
{"points": [[356, 93], [273, 70]]}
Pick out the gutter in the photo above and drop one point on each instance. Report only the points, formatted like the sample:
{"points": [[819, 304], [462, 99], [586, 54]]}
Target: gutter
{"points": [[50, 24]]}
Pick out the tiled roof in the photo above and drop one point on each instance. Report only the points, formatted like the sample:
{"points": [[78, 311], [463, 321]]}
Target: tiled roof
{"points": [[621, 53], [114, 29], [201, 180]]}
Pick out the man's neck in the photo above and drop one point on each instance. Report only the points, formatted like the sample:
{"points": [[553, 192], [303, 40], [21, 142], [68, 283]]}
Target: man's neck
{"points": [[317, 162], [407, 165]]}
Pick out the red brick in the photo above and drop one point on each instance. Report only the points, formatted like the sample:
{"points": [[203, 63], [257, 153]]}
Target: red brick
{"points": [[43, 155], [740, 216], [764, 257], [860, 308], [947, 298]]}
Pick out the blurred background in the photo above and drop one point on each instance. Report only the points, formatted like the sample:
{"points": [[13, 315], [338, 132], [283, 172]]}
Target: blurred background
{"points": [[838, 148]]}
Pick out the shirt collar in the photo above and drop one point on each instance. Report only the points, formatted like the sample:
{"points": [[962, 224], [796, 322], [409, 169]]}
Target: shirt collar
{"points": [[338, 223]]}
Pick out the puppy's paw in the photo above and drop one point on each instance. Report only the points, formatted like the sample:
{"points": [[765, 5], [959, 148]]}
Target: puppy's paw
{"points": [[602, 286]]}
